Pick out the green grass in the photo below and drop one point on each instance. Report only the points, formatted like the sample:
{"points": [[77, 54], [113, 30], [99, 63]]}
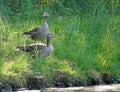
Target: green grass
{"points": [[92, 43]]}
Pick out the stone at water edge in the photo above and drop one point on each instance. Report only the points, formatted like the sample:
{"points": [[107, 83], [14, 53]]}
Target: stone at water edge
{"points": [[8, 89], [60, 84]]}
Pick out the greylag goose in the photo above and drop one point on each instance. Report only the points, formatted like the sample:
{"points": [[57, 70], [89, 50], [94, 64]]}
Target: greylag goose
{"points": [[41, 50], [39, 33]]}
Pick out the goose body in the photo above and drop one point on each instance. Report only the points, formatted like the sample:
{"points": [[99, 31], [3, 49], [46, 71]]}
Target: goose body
{"points": [[42, 50], [39, 33]]}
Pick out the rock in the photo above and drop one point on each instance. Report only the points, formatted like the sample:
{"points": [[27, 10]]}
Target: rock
{"points": [[94, 78], [106, 78], [34, 82], [69, 84], [41, 87], [118, 80], [60, 84], [84, 83], [1, 86], [8, 89], [76, 82], [21, 89], [114, 81]]}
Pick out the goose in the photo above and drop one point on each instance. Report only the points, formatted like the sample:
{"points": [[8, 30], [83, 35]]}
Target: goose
{"points": [[39, 33], [39, 49]]}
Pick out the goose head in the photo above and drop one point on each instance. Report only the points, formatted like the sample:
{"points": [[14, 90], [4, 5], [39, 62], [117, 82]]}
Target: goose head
{"points": [[46, 15], [49, 36]]}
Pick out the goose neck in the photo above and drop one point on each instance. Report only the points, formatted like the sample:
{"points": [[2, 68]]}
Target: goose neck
{"points": [[45, 22], [48, 41], [45, 19]]}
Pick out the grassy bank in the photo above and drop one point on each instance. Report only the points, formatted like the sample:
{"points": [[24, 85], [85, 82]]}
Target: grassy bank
{"points": [[83, 45]]}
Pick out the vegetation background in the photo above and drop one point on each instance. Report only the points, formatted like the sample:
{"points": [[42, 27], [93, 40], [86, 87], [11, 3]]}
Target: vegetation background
{"points": [[87, 39]]}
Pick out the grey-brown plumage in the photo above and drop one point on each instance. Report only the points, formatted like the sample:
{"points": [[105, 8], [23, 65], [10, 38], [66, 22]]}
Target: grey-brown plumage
{"points": [[39, 33], [41, 50]]}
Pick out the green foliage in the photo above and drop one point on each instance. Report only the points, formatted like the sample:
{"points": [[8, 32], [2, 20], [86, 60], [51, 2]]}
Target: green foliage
{"points": [[27, 8]]}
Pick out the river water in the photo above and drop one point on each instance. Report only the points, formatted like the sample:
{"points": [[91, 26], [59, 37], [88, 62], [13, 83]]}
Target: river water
{"points": [[98, 88]]}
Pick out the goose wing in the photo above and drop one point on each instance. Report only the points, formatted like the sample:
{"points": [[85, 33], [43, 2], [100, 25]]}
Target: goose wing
{"points": [[32, 48], [35, 30]]}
